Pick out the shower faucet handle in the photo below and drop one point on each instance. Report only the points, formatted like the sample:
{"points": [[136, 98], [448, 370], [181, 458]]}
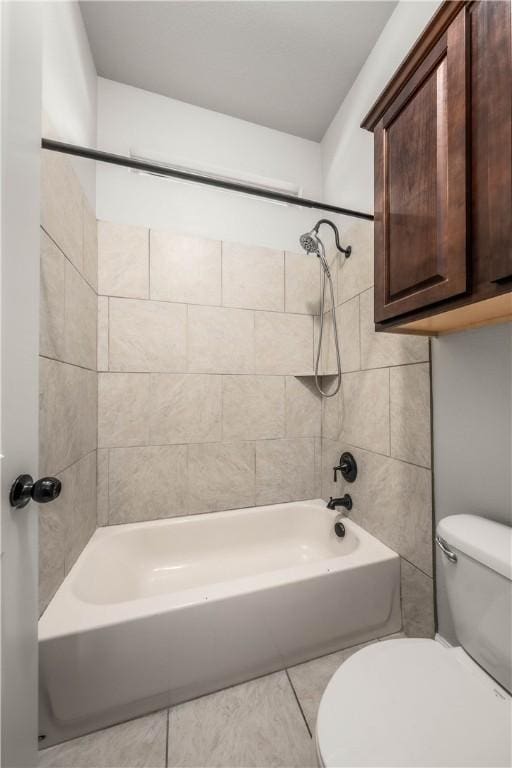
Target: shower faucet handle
{"points": [[347, 467]]}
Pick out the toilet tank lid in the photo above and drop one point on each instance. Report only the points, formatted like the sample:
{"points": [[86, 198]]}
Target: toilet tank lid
{"points": [[484, 540]]}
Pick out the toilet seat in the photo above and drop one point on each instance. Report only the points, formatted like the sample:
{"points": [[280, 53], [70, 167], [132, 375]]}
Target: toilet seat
{"points": [[413, 702]]}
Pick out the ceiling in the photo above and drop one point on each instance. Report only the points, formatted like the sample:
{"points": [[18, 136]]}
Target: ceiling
{"points": [[285, 64]]}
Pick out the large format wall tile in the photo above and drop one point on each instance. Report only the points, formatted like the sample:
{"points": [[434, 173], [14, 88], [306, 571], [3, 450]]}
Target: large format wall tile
{"points": [[354, 273], [102, 483], [184, 408], [349, 338], [283, 343], [82, 514], [332, 409], [51, 308], [220, 476], [62, 205], [220, 340], [392, 500], [303, 408], [384, 409], [102, 333], [123, 409], [331, 451], [53, 525], [328, 363], [417, 601], [68, 415], [347, 323], [66, 525], [68, 361], [385, 349], [147, 483], [302, 283], [334, 259], [410, 413], [147, 336], [365, 420], [186, 269], [90, 261], [285, 470], [252, 407], [123, 260], [81, 313], [252, 277]]}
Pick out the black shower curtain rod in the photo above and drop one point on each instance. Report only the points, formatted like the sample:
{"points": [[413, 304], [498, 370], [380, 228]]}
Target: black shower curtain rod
{"points": [[162, 170]]}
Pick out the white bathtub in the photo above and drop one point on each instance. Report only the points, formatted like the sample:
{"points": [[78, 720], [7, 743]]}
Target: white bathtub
{"points": [[152, 614]]}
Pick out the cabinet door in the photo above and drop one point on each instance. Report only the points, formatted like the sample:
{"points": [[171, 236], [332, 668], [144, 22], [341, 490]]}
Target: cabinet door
{"points": [[493, 111], [421, 183]]}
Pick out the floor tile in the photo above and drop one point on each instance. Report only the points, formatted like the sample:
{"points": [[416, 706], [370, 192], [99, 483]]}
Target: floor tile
{"points": [[138, 743], [310, 680], [254, 724]]}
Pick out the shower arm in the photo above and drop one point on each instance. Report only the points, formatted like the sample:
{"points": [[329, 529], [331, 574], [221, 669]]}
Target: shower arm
{"points": [[348, 250]]}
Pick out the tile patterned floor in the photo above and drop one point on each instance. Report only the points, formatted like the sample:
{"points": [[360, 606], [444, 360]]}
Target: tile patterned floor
{"points": [[266, 722]]}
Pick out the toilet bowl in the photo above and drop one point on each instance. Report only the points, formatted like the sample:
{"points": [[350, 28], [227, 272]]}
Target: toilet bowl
{"points": [[418, 702], [413, 703]]}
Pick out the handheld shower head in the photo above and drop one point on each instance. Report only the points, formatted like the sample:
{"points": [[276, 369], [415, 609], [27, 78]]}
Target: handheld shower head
{"points": [[312, 243], [309, 242]]}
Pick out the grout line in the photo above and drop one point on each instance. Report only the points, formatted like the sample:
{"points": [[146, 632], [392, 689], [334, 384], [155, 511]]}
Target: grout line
{"points": [[108, 486], [149, 265], [77, 461], [167, 734], [193, 373], [181, 372], [284, 281], [413, 565], [298, 703], [389, 410], [377, 453], [108, 334], [222, 273], [65, 362], [209, 306], [59, 248], [239, 441]]}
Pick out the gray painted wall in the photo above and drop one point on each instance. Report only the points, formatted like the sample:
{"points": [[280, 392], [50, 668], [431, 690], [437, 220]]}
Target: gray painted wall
{"points": [[472, 420]]}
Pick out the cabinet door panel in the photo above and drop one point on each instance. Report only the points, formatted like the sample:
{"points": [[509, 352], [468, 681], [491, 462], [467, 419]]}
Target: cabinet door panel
{"points": [[421, 183], [495, 108]]}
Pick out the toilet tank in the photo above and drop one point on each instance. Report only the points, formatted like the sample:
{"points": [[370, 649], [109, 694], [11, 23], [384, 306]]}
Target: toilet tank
{"points": [[479, 587]]}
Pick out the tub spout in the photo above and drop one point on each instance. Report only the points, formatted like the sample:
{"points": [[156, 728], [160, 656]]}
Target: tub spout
{"points": [[345, 501]]}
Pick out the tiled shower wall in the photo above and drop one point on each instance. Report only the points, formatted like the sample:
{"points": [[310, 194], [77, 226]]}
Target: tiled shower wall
{"points": [[382, 415], [205, 397], [68, 377], [201, 348]]}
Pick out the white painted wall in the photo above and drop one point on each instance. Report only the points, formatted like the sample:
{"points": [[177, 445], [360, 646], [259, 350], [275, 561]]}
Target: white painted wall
{"points": [[69, 84], [154, 126], [472, 419], [347, 149]]}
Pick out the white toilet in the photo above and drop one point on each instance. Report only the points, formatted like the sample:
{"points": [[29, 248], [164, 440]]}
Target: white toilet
{"points": [[415, 702]]}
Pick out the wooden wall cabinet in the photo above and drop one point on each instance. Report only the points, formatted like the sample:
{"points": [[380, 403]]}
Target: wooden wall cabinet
{"points": [[443, 176]]}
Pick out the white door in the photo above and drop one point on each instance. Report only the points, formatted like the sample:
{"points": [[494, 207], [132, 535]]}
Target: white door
{"points": [[20, 97]]}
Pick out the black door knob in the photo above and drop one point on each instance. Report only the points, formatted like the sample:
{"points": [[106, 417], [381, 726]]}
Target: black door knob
{"points": [[44, 490]]}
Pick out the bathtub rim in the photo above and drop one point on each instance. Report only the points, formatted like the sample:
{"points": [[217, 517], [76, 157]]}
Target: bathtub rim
{"points": [[66, 614]]}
